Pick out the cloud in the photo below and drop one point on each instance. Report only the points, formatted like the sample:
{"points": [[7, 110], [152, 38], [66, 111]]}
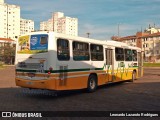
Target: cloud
{"points": [[106, 32], [97, 31]]}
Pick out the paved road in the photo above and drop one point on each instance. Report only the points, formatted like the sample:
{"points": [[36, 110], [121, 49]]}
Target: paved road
{"points": [[143, 95]]}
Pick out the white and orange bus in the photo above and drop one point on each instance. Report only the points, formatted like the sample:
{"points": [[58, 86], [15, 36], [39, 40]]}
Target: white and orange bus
{"points": [[54, 61]]}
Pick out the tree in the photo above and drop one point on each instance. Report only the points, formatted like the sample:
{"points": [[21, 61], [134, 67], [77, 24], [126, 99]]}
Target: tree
{"points": [[7, 53]]}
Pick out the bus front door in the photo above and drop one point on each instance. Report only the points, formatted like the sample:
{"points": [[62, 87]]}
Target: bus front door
{"points": [[109, 64]]}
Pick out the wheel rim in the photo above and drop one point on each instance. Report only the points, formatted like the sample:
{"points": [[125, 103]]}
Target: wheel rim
{"points": [[134, 76], [92, 84]]}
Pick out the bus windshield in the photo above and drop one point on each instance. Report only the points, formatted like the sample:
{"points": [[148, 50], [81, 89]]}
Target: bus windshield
{"points": [[33, 44]]}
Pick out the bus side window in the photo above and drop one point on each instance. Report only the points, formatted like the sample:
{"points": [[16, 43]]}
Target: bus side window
{"points": [[128, 55], [63, 52], [96, 52], [80, 51], [134, 55], [119, 54]]}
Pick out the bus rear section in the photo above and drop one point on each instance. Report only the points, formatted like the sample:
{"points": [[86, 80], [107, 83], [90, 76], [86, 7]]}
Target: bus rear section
{"points": [[31, 62]]}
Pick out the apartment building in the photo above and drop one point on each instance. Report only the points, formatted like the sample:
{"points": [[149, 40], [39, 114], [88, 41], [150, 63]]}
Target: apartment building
{"points": [[26, 26], [56, 20], [9, 20], [151, 46], [52, 23], [152, 30], [149, 43], [68, 25], [43, 25], [61, 24], [47, 25]]}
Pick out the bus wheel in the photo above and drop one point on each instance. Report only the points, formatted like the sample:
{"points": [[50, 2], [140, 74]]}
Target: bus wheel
{"points": [[133, 76], [92, 83]]}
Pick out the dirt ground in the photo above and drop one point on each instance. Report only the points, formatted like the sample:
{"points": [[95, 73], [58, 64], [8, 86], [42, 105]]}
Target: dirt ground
{"points": [[7, 76]]}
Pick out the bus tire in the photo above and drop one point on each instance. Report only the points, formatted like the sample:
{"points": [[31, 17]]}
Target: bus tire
{"points": [[92, 83], [134, 74]]}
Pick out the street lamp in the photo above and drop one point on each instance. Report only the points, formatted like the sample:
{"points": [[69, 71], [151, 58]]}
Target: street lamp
{"points": [[88, 34]]}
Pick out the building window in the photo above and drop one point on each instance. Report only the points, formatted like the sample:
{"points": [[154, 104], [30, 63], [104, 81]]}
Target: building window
{"points": [[119, 54], [80, 51], [145, 39], [145, 45], [96, 52], [157, 51], [63, 52]]}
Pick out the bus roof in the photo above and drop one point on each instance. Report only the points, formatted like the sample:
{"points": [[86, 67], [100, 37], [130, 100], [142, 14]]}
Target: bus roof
{"points": [[110, 43]]}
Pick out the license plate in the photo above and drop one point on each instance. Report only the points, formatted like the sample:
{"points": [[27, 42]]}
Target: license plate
{"points": [[29, 83]]}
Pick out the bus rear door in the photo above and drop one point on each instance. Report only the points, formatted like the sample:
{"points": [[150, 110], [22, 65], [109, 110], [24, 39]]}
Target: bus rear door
{"points": [[109, 64]]}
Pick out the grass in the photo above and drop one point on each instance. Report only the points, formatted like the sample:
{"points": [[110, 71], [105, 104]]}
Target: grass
{"points": [[151, 64], [1, 66]]}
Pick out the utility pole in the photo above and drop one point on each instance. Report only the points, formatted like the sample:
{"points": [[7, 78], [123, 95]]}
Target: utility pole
{"points": [[145, 39], [118, 29]]}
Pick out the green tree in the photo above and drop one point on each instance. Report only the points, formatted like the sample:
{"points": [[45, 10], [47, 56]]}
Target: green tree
{"points": [[7, 53]]}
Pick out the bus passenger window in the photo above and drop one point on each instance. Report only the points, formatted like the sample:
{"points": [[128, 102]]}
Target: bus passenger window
{"points": [[128, 55], [119, 54], [80, 51], [134, 55], [96, 52], [63, 52]]}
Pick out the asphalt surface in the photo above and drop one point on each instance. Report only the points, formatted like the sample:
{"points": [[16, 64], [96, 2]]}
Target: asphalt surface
{"points": [[142, 95]]}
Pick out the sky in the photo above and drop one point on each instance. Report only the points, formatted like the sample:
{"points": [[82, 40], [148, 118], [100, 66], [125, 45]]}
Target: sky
{"points": [[101, 18]]}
